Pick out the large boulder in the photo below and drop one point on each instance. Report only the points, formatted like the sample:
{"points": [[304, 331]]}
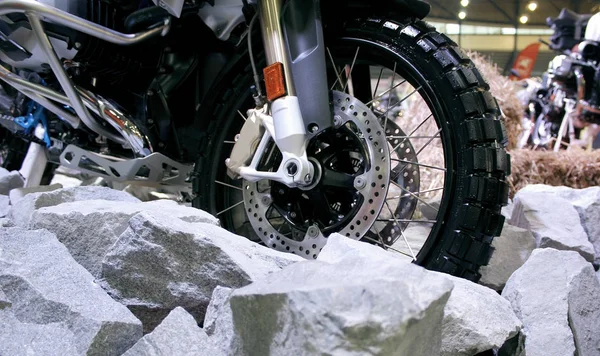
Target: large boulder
{"points": [[23, 209], [10, 180], [55, 306], [89, 228], [218, 322], [557, 297], [511, 249], [178, 334], [553, 221], [586, 202], [476, 319], [353, 307], [159, 263]]}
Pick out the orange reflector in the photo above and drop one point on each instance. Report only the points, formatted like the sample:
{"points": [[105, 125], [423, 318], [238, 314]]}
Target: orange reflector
{"points": [[274, 81]]}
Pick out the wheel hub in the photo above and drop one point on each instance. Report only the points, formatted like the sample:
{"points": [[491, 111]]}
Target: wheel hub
{"points": [[346, 196]]}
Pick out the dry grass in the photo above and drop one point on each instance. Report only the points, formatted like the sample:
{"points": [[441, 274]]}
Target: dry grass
{"points": [[574, 168], [505, 91]]}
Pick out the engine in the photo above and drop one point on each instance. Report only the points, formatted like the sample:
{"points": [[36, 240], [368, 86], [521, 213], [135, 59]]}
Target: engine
{"points": [[96, 62], [105, 65]]}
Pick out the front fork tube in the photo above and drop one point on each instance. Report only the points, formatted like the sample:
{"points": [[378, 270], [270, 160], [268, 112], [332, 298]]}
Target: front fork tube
{"points": [[293, 36]]}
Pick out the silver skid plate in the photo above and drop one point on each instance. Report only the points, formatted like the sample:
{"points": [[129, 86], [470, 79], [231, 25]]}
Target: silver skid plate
{"points": [[153, 169]]}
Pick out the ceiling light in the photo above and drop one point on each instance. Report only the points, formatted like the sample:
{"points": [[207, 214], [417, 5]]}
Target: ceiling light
{"points": [[523, 19], [464, 3], [532, 6], [462, 15]]}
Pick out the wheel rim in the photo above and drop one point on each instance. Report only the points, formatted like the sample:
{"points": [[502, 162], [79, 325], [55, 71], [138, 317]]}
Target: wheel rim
{"points": [[404, 204]]}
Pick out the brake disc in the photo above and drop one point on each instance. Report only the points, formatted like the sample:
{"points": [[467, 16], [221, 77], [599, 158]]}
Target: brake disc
{"points": [[364, 145]]}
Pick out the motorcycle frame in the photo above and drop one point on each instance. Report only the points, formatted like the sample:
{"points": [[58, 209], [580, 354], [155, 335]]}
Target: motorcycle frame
{"points": [[292, 35]]}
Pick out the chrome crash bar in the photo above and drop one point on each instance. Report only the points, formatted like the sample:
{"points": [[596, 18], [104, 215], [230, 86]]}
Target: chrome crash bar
{"points": [[59, 17], [79, 99]]}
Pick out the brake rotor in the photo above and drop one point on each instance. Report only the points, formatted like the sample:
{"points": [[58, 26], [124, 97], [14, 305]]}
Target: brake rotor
{"points": [[352, 164]]}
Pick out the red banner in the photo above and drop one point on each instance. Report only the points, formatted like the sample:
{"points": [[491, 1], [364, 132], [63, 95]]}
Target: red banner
{"points": [[525, 62]]}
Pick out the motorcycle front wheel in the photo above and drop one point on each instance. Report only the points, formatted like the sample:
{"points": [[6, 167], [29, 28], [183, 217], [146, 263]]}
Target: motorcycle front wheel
{"points": [[421, 172]]}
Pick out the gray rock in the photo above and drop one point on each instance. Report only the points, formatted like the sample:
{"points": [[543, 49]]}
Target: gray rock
{"points": [[586, 202], [598, 274], [511, 249], [159, 263], [6, 222], [178, 334], [4, 302], [353, 307], [24, 208], [557, 296], [10, 180], [218, 322], [552, 220], [90, 228], [19, 338], [18, 193], [4, 205], [56, 308], [476, 319], [339, 247]]}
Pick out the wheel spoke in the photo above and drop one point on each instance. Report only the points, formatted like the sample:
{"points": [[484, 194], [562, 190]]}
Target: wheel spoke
{"points": [[377, 85], [339, 78], [398, 103], [391, 96], [428, 142], [419, 151], [351, 69], [387, 247], [417, 193], [228, 185], [400, 228], [419, 164], [410, 135], [380, 238], [385, 92], [242, 115], [407, 221], [414, 195], [231, 207]]}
